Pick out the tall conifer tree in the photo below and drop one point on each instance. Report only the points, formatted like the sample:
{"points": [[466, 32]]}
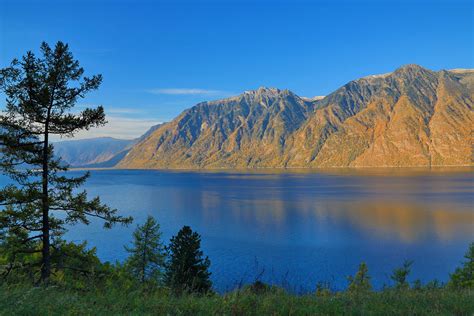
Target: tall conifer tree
{"points": [[188, 269], [41, 93], [147, 253]]}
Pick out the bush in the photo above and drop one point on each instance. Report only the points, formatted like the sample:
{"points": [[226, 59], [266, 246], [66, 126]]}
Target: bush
{"points": [[72, 264]]}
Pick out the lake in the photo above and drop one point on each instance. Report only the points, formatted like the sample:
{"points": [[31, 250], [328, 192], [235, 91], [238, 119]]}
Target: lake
{"points": [[297, 228]]}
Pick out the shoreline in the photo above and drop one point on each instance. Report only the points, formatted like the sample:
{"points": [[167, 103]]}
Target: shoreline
{"points": [[382, 170]]}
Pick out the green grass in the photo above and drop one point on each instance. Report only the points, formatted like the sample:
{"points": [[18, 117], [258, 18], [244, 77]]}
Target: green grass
{"points": [[22, 300]]}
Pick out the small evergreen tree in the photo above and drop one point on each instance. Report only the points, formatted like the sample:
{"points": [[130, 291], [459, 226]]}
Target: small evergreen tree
{"points": [[41, 93], [147, 253], [187, 268], [417, 285], [323, 289], [360, 283], [399, 275], [463, 277]]}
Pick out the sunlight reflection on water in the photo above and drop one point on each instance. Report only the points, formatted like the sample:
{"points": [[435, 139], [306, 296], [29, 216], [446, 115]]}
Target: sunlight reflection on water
{"points": [[299, 226]]}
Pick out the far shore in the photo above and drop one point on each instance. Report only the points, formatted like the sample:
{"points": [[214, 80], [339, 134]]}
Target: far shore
{"points": [[380, 170]]}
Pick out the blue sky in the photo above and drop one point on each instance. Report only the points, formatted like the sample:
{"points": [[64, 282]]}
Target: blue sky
{"points": [[161, 57]]}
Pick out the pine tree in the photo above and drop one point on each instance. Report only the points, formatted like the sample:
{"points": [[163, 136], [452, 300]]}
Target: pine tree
{"points": [[41, 93], [463, 277], [399, 275], [147, 254], [187, 270], [360, 283]]}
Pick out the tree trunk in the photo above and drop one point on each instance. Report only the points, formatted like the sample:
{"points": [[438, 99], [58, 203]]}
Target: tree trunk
{"points": [[144, 263], [45, 251]]}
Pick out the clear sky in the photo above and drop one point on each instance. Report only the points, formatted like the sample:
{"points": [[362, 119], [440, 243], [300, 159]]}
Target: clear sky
{"points": [[161, 57]]}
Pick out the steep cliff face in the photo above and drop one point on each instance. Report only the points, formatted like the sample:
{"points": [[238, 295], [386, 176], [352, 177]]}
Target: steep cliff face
{"points": [[417, 118], [244, 131], [411, 117]]}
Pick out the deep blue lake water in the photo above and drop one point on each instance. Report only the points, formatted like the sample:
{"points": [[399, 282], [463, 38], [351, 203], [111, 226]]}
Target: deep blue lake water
{"points": [[297, 228]]}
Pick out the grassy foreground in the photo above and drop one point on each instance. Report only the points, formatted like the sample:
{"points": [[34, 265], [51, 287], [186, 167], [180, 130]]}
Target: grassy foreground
{"points": [[21, 300]]}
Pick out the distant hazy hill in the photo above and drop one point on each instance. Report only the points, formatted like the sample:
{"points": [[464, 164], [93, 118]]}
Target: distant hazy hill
{"points": [[101, 152], [90, 151], [410, 117]]}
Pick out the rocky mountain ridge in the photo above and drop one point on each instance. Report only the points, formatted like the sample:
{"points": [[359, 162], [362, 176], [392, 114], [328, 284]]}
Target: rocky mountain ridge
{"points": [[409, 117]]}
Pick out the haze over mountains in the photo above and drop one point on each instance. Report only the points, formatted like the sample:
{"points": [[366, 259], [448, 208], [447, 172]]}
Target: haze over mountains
{"points": [[100, 152], [410, 117]]}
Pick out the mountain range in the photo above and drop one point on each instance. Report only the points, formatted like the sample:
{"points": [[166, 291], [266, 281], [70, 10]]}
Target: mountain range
{"points": [[410, 117]]}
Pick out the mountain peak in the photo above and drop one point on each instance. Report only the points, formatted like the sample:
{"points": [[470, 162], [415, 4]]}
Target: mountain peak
{"points": [[410, 69], [264, 91], [268, 92], [414, 73]]}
